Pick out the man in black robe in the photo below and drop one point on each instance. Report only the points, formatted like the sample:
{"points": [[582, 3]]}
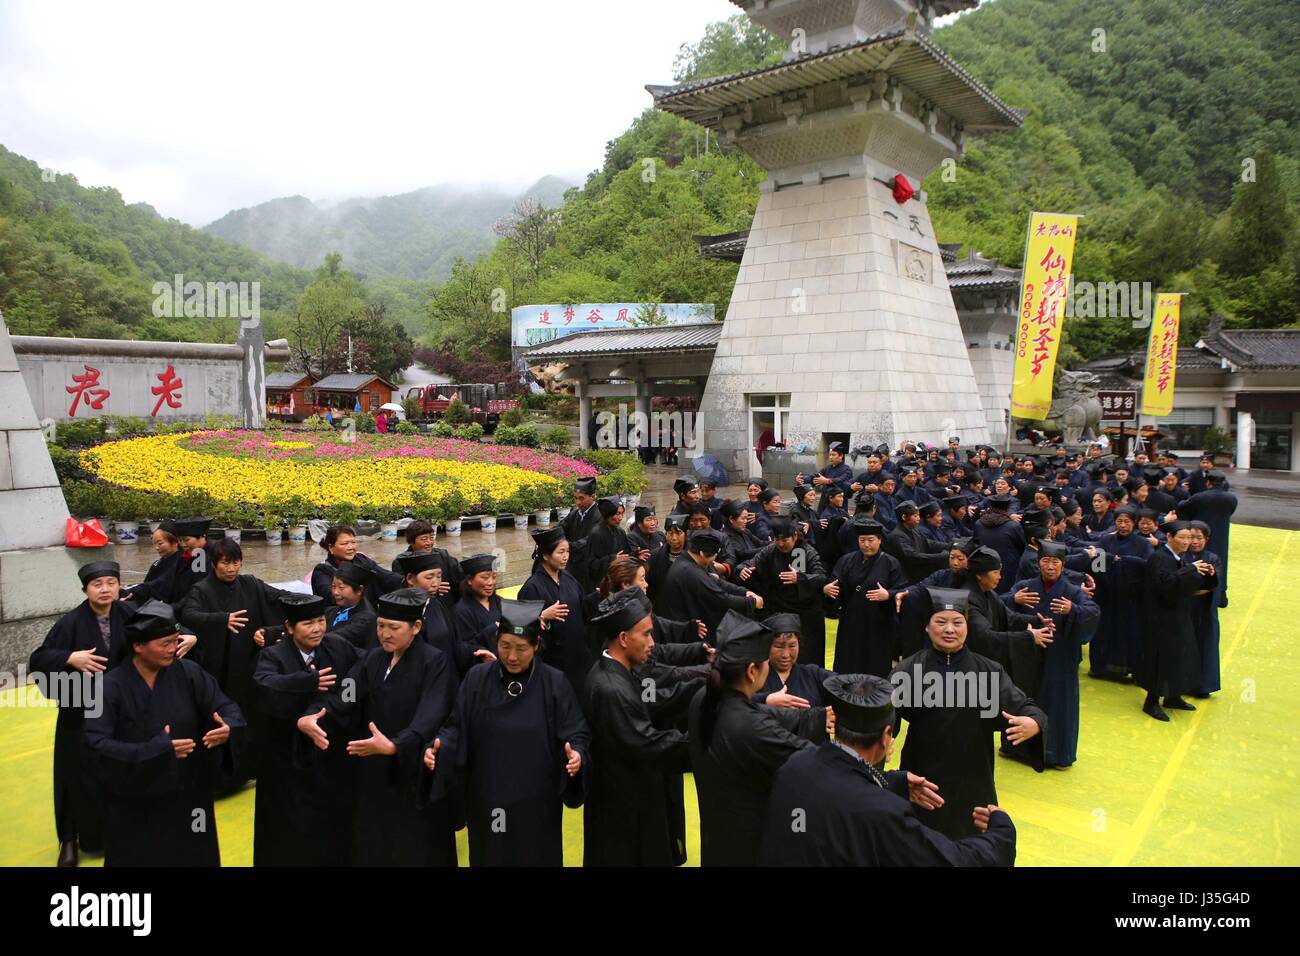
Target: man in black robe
{"points": [[832, 807], [918, 554], [578, 525], [164, 737], [692, 592], [674, 550], [741, 543], [954, 700], [789, 575], [1170, 665], [997, 529], [737, 745], [1015, 640], [230, 612], [608, 541], [85, 642], [627, 819], [863, 588], [688, 494], [304, 797]]}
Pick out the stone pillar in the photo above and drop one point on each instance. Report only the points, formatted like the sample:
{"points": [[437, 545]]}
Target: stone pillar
{"points": [[1295, 441], [1245, 435], [645, 392], [584, 415], [252, 373]]}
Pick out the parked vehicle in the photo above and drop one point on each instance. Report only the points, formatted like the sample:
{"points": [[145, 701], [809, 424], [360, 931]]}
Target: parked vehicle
{"points": [[484, 400]]}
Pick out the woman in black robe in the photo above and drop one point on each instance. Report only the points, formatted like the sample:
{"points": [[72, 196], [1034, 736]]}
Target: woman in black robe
{"points": [[165, 736], [789, 683], [86, 641], [951, 742], [478, 612], [1205, 609], [404, 691], [304, 796], [738, 745], [831, 516], [566, 646], [160, 580], [788, 573], [520, 745], [425, 571], [804, 512], [608, 540], [340, 544], [863, 588], [230, 612]]}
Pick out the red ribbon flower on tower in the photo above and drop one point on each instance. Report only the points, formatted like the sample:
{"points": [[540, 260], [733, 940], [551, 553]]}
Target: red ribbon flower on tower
{"points": [[903, 190]]}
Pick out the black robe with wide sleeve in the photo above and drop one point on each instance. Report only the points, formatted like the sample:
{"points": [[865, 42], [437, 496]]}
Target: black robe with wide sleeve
{"points": [[825, 809], [628, 813], [508, 751], [78, 798], [734, 771], [1171, 663], [393, 824], [230, 657], [803, 597], [578, 531], [159, 807], [919, 555], [304, 796], [565, 644], [950, 739], [691, 593], [866, 641], [357, 626]]}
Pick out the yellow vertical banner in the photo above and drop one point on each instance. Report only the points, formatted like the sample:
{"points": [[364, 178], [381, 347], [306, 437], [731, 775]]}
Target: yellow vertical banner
{"points": [[1049, 256], [1162, 355]]}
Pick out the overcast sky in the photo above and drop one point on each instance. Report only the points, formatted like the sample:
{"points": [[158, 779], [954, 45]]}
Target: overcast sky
{"points": [[200, 108]]}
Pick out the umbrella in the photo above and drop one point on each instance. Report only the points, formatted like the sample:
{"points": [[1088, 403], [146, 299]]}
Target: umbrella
{"points": [[391, 407], [707, 466]]}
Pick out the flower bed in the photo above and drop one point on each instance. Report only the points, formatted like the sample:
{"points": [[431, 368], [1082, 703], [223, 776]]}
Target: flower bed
{"points": [[375, 473]]}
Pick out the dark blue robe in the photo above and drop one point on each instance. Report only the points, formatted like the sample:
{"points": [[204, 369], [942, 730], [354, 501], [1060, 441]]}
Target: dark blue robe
{"points": [[565, 644], [1205, 622], [1215, 508], [1058, 690], [805, 681], [1117, 645]]}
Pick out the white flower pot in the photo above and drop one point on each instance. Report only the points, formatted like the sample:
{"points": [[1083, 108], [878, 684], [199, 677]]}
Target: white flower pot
{"points": [[128, 532], [488, 523], [543, 518], [562, 513], [153, 526], [234, 534], [298, 534], [274, 536], [388, 531], [521, 521], [453, 526]]}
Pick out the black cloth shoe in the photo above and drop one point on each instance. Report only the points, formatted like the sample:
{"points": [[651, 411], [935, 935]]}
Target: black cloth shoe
{"points": [[1154, 710], [68, 853], [1177, 703]]}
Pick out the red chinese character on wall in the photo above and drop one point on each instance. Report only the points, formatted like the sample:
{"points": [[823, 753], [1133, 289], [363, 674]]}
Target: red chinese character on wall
{"points": [[622, 316], [594, 315], [546, 317], [85, 386], [568, 314], [169, 391]]}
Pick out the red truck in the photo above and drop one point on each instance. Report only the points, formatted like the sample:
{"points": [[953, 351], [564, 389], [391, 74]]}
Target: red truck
{"points": [[485, 401]]}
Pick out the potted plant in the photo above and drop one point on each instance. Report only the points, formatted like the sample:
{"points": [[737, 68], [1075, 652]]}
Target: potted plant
{"points": [[517, 507], [123, 507], [387, 516], [488, 508], [451, 509], [1219, 444], [424, 508], [541, 497], [297, 510], [342, 513]]}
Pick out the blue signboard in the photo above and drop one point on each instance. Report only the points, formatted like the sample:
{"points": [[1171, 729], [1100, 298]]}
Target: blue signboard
{"points": [[532, 325]]}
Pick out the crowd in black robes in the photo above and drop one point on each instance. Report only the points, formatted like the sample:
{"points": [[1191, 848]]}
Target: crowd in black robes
{"points": [[866, 637], [803, 597]]}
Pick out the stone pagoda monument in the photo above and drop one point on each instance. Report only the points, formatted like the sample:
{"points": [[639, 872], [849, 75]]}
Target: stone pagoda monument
{"points": [[841, 302]]}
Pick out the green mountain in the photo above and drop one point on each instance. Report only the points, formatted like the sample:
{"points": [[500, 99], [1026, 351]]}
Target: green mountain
{"points": [[415, 235], [80, 261]]}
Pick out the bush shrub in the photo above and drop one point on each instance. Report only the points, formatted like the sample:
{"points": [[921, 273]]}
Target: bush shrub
{"points": [[473, 431], [365, 422], [556, 438], [525, 435], [442, 430], [407, 428], [81, 434], [511, 417], [457, 413]]}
